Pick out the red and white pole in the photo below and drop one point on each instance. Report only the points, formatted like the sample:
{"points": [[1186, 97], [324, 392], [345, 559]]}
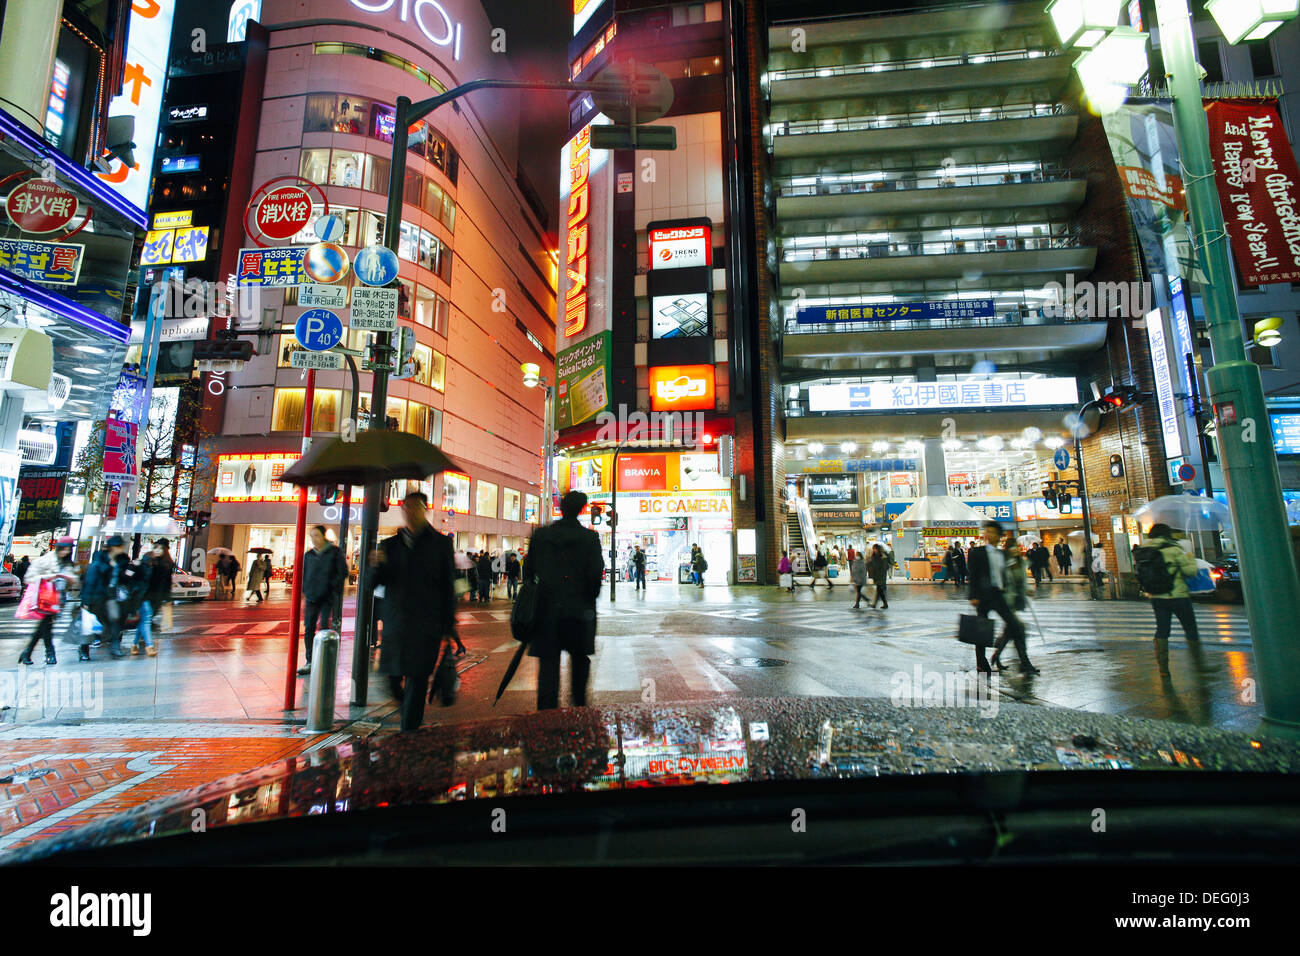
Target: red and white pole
{"points": [[300, 532]]}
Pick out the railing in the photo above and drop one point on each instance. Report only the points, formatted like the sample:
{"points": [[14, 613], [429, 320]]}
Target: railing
{"points": [[931, 118], [903, 180], [1014, 318], [916, 63], [876, 250]]}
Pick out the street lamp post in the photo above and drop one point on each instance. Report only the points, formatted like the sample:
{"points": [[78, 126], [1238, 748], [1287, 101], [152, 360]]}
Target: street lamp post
{"points": [[1247, 456], [532, 379]]}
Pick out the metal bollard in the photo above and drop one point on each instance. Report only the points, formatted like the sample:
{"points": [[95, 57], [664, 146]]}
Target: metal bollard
{"points": [[320, 694]]}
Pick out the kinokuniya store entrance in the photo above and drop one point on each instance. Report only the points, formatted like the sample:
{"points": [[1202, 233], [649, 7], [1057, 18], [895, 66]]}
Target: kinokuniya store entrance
{"points": [[667, 502]]}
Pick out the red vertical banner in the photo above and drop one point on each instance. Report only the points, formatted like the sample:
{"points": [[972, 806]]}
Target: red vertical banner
{"points": [[1257, 177]]}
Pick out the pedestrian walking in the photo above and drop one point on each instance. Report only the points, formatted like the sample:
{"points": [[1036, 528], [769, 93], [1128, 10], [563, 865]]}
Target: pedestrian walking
{"points": [[54, 565], [959, 564], [1162, 569], [20, 570], [1067, 557], [253, 586], [890, 563], [156, 571], [484, 577], [323, 574], [987, 592], [266, 574], [878, 571], [949, 569], [638, 567], [416, 568], [104, 592], [1059, 557], [699, 565], [567, 561], [1098, 569], [232, 572], [786, 571], [471, 575], [858, 577], [513, 570], [819, 569]]}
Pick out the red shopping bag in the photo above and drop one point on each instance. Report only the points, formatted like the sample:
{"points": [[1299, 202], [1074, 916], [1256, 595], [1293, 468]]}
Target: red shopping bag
{"points": [[49, 600], [27, 609]]}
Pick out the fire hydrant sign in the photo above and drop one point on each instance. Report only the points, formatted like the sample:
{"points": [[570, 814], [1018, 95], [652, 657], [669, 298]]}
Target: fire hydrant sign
{"points": [[40, 206], [374, 310], [283, 212]]}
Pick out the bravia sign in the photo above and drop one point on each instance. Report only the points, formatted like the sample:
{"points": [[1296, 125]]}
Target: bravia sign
{"points": [[681, 247]]}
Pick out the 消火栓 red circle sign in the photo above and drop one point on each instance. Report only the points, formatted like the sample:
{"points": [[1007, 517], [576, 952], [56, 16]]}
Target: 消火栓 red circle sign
{"points": [[40, 205], [283, 212]]}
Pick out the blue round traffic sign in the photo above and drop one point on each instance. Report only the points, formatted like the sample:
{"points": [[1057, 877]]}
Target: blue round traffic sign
{"points": [[1061, 459], [376, 265], [329, 228], [318, 330], [1186, 472], [325, 262]]}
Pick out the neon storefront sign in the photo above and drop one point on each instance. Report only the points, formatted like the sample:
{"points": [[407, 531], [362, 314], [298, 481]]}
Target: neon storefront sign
{"points": [[575, 297], [429, 15]]}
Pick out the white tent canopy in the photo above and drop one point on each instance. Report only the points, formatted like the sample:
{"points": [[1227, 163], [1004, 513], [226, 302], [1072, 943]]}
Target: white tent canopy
{"points": [[145, 524], [936, 509]]}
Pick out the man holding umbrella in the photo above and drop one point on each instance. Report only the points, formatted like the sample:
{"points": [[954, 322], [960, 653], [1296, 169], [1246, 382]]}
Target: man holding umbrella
{"points": [[416, 569]]}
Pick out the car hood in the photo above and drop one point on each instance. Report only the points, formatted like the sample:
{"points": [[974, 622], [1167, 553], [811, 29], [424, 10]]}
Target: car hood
{"points": [[679, 745]]}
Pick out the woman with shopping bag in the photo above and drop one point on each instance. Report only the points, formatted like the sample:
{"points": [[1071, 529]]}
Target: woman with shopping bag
{"points": [[46, 598]]}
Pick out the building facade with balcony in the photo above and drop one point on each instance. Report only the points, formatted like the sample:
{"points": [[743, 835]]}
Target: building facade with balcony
{"points": [[934, 186], [477, 274]]}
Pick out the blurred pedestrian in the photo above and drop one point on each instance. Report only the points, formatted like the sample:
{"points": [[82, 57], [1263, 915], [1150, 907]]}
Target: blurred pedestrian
{"points": [[266, 574], [858, 578], [878, 571], [699, 565], [416, 568], [819, 567], [253, 585], [1162, 568], [156, 572], [323, 574], [54, 564], [104, 592], [485, 576], [988, 585], [566, 558], [786, 570], [638, 568], [513, 570]]}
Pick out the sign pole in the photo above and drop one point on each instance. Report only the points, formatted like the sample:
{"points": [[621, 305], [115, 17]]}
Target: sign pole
{"points": [[1245, 440], [300, 530]]}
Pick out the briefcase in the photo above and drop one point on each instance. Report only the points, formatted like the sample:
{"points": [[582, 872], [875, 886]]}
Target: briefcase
{"points": [[972, 629]]}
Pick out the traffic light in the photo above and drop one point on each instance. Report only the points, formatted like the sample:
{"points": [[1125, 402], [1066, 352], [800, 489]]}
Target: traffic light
{"points": [[1049, 495], [201, 519], [214, 355], [327, 495], [1065, 503], [597, 514], [1117, 466], [189, 521], [1121, 397], [612, 518]]}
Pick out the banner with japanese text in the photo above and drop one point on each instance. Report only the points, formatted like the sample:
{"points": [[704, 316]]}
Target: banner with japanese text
{"points": [[1255, 171]]}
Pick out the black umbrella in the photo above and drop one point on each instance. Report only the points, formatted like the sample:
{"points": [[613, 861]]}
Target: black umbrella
{"points": [[260, 551], [375, 457], [510, 672]]}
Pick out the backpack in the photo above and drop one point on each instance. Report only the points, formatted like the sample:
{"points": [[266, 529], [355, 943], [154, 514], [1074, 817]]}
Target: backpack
{"points": [[1152, 572], [704, 565]]}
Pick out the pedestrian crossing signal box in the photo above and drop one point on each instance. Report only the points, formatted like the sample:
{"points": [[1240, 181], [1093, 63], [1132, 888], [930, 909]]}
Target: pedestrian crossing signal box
{"points": [[327, 495]]}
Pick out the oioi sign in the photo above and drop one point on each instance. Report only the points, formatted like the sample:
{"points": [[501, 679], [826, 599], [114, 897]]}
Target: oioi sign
{"points": [[429, 15]]}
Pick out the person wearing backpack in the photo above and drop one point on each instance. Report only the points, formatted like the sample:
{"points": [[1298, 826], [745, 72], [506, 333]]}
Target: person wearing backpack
{"points": [[1162, 569], [819, 569], [699, 565]]}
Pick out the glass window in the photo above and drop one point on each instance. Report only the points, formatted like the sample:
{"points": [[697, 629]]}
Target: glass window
{"points": [[417, 142], [382, 120], [414, 187], [423, 362], [511, 501], [432, 198], [705, 65], [372, 228], [425, 300], [408, 241], [428, 250], [437, 370], [453, 164], [674, 69], [319, 113], [449, 213], [315, 165], [405, 297], [455, 492], [532, 510], [1261, 59], [377, 169], [397, 414], [442, 311], [437, 151], [286, 414], [417, 419], [444, 265], [485, 499], [1207, 54], [434, 436], [345, 168]]}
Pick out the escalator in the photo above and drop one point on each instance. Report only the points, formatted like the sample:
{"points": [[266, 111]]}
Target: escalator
{"points": [[803, 536]]}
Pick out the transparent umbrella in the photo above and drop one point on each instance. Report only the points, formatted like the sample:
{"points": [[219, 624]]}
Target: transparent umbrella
{"points": [[1026, 540], [1191, 513]]}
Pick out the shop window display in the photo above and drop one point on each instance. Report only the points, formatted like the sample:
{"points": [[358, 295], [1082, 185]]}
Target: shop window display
{"points": [[485, 499], [287, 412]]}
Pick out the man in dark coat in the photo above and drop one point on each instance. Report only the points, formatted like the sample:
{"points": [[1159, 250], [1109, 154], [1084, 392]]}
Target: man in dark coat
{"points": [[323, 574], [988, 585], [485, 576], [416, 568], [101, 596], [567, 560]]}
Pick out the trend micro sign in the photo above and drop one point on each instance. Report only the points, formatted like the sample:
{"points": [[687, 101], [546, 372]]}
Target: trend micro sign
{"points": [[585, 187]]}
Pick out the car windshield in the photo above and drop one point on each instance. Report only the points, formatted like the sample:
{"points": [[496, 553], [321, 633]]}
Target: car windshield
{"points": [[868, 404]]}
